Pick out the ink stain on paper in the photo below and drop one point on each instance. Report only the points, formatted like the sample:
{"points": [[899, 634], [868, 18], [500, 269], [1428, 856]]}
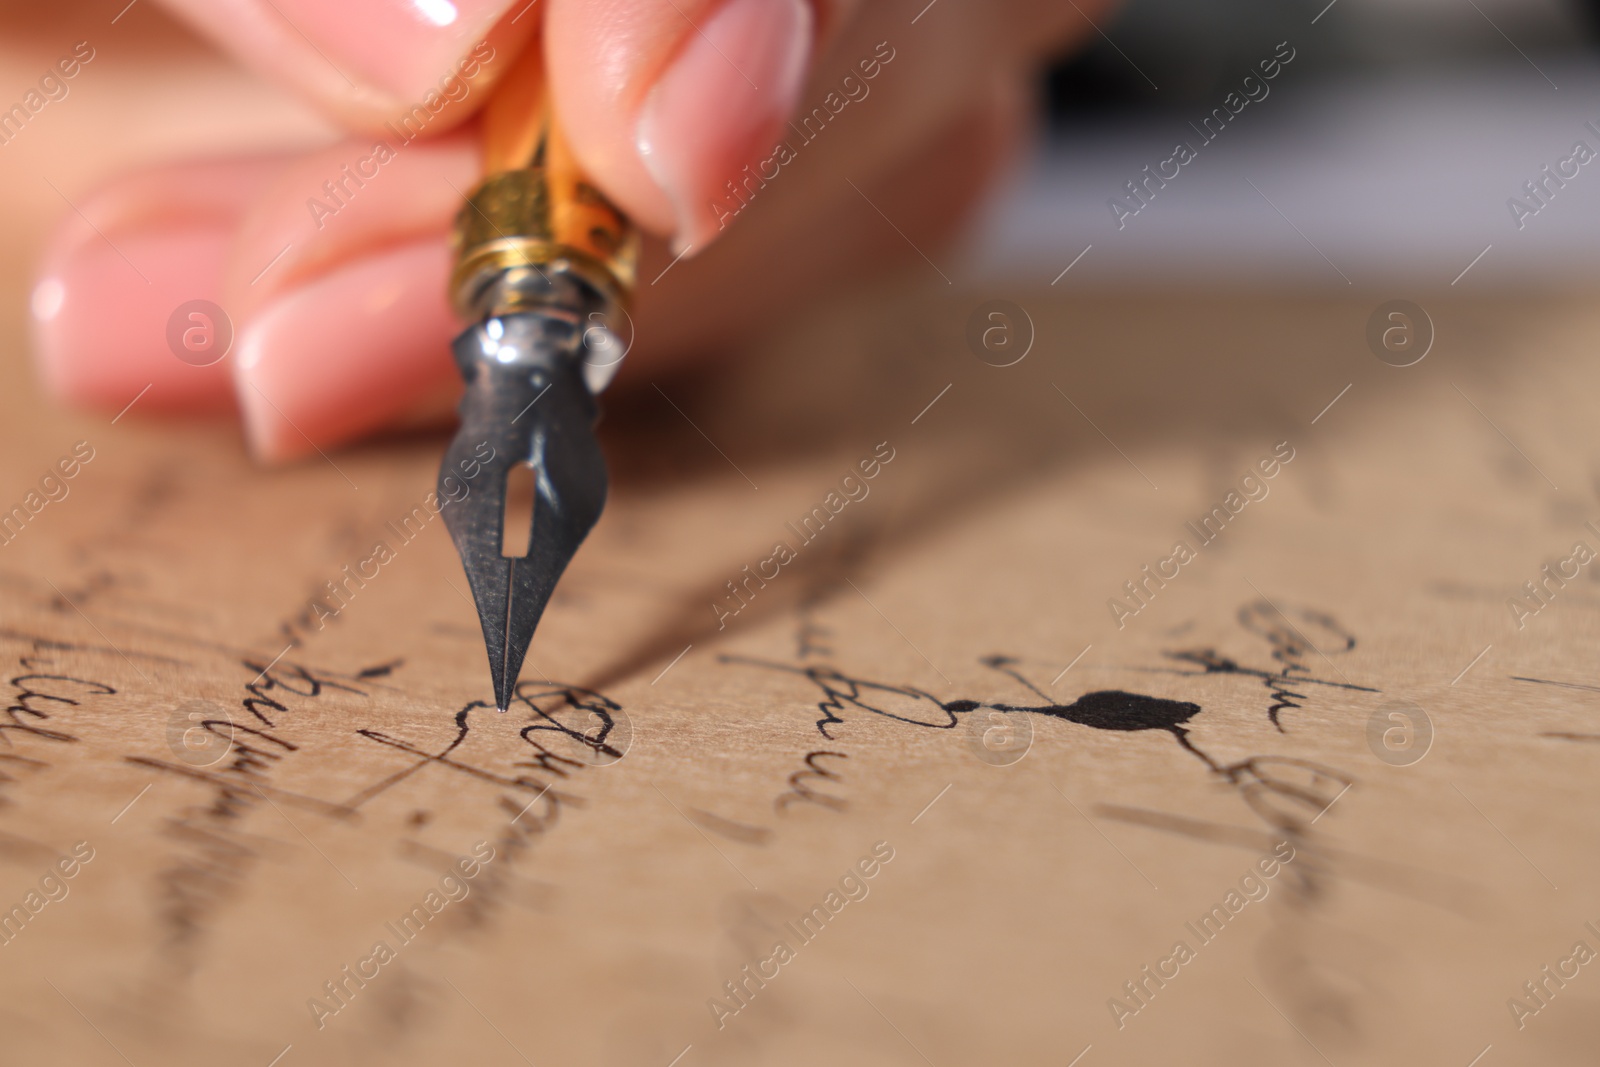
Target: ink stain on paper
{"points": [[1107, 709]]}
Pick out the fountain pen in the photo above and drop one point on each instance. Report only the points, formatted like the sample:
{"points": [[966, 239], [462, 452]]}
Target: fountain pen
{"points": [[544, 266]]}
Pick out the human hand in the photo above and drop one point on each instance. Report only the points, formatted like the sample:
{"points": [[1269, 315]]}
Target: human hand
{"points": [[332, 264]]}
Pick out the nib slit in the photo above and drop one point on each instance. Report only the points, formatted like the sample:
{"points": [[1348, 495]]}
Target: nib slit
{"points": [[505, 683], [502, 409]]}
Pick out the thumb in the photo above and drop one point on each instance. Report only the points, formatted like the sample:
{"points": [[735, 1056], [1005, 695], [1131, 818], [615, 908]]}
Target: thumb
{"points": [[666, 101]]}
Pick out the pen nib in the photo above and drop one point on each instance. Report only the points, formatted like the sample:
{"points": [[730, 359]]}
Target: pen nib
{"points": [[526, 404]]}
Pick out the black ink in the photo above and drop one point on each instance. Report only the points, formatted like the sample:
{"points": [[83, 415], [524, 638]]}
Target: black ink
{"points": [[1277, 682], [1286, 792], [278, 676], [1111, 709], [230, 791], [532, 695], [1289, 647], [1114, 709], [216, 854], [382, 670], [443, 759], [568, 697], [523, 819], [246, 759], [26, 694], [1551, 681], [800, 792]]}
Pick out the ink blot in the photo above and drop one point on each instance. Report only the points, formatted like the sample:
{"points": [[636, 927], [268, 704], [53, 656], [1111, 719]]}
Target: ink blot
{"points": [[1109, 709], [1113, 709]]}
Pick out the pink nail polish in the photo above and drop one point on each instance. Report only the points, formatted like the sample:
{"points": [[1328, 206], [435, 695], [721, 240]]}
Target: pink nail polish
{"points": [[348, 353], [719, 108], [101, 310]]}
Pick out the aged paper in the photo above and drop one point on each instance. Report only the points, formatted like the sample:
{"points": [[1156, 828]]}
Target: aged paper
{"points": [[1198, 689]]}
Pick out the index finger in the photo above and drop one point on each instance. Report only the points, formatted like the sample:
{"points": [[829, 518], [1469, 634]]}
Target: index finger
{"points": [[423, 66]]}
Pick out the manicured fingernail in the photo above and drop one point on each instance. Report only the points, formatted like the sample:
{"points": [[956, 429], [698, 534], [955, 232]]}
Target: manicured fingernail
{"points": [[719, 108], [101, 312], [346, 354], [406, 49]]}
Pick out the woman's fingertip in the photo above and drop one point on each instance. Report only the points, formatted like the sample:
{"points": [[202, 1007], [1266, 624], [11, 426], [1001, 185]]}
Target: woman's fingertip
{"points": [[103, 318], [714, 115], [347, 354]]}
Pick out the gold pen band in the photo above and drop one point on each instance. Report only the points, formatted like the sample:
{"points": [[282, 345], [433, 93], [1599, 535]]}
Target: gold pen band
{"points": [[536, 210]]}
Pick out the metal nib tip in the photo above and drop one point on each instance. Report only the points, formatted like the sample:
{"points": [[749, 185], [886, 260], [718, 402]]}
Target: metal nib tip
{"points": [[526, 405]]}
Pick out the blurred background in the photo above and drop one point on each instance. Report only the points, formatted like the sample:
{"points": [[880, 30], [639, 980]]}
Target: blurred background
{"points": [[1384, 153]]}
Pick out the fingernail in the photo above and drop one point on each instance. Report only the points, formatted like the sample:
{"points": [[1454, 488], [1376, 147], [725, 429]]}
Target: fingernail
{"points": [[346, 354], [719, 108], [101, 310], [406, 49]]}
